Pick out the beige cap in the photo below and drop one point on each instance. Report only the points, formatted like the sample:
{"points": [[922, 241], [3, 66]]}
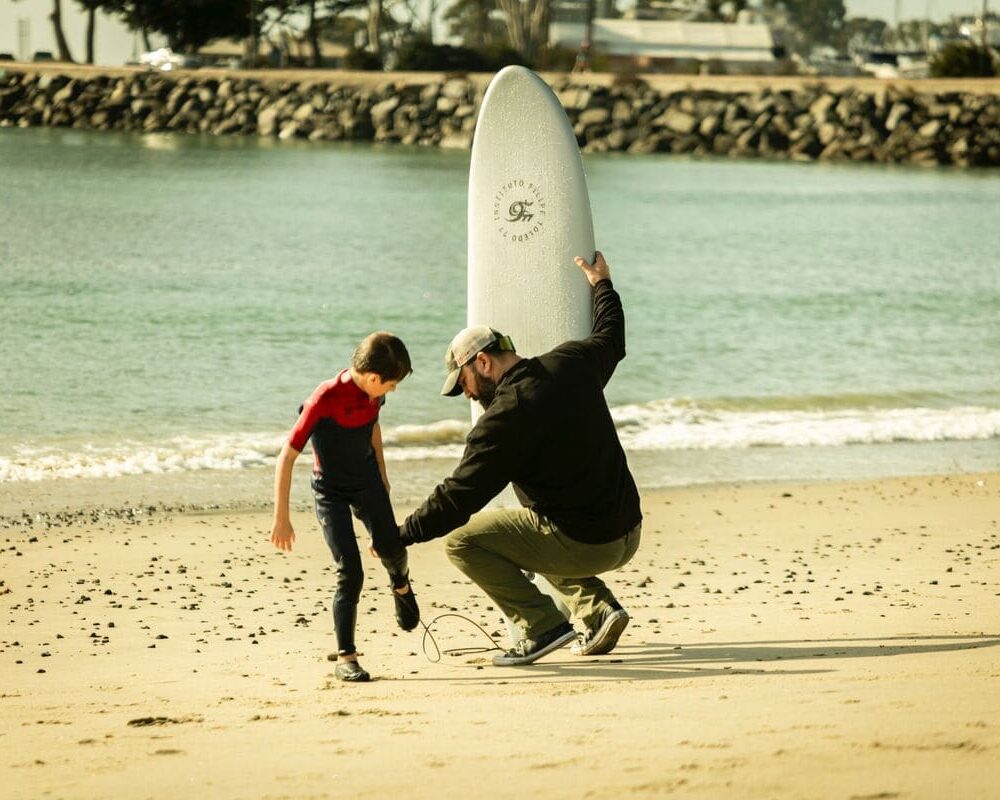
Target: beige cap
{"points": [[466, 345]]}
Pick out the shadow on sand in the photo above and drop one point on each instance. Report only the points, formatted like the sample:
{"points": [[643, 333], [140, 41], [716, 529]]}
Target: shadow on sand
{"points": [[664, 661]]}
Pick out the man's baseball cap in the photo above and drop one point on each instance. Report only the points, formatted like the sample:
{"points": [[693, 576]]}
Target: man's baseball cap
{"points": [[466, 345]]}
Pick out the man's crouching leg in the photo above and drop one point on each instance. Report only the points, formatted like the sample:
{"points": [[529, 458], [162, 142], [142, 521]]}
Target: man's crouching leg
{"points": [[493, 549]]}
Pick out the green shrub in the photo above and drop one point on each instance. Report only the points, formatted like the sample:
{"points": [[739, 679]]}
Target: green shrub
{"points": [[714, 66], [362, 60], [555, 59], [959, 60], [626, 74], [499, 57], [421, 54]]}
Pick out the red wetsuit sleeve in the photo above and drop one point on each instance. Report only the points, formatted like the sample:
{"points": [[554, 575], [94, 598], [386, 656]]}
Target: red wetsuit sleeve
{"points": [[312, 411]]}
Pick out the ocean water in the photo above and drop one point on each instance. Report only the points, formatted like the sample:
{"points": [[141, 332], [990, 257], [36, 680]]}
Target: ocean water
{"points": [[168, 301]]}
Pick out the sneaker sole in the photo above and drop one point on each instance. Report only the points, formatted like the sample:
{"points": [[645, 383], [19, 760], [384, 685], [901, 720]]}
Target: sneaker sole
{"points": [[607, 636], [555, 644]]}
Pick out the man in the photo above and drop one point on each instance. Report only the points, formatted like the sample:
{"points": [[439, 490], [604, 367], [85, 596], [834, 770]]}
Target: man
{"points": [[547, 430]]}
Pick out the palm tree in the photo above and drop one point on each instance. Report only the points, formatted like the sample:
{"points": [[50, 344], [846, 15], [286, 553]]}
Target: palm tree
{"points": [[61, 44]]}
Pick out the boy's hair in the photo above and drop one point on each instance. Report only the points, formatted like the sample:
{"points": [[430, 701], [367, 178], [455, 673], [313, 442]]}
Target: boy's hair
{"points": [[383, 354]]}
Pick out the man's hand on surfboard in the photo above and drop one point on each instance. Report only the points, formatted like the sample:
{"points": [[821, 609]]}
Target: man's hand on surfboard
{"points": [[596, 272]]}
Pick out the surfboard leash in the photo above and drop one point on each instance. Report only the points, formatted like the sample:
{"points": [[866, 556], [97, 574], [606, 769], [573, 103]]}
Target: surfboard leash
{"points": [[453, 651]]}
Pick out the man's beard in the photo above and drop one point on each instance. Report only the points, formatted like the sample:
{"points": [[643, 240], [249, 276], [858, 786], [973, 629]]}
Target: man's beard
{"points": [[485, 389]]}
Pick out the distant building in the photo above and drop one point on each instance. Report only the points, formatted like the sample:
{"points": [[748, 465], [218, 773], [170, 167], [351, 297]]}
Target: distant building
{"points": [[659, 45]]}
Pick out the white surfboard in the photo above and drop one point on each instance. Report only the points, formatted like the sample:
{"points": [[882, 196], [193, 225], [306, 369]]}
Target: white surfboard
{"points": [[529, 216]]}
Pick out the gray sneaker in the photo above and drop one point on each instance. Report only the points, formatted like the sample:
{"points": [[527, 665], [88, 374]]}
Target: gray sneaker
{"points": [[351, 671], [602, 639], [529, 650]]}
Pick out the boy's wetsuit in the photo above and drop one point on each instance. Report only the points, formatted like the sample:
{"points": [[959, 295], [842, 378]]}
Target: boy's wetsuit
{"points": [[339, 419]]}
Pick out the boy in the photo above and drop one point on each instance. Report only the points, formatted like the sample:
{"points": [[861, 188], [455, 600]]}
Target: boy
{"points": [[341, 417]]}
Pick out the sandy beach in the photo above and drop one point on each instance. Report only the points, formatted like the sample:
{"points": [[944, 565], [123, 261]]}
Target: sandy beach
{"points": [[823, 640]]}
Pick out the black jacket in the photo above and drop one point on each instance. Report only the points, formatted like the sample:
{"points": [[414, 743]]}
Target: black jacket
{"points": [[549, 432]]}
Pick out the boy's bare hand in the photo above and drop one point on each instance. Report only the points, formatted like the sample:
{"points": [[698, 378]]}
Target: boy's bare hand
{"points": [[596, 272], [282, 535]]}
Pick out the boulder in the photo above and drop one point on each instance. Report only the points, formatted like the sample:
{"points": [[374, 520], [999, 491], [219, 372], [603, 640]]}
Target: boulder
{"points": [[930, 130], [834, 150], [617, 140], [828, 133], [677, 121], [142, 108], [9, 98], [429, 94], [456, 89], [806, 148], [593, 116], [898, 113], [267, 121], [647, 144], [288, 130], [780, 123], [303, 112], [458, 140], [67, 93], [575, 98], [229, 124], [446, 105], [621, 112], [925, 157], [819, 109], [710, 126], [381, 112]]}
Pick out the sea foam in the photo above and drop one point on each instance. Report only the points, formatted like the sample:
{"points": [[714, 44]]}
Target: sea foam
{"points": [[660, 425]]}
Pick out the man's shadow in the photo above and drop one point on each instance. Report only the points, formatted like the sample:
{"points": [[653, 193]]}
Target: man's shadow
{"points": [[667, 660]]}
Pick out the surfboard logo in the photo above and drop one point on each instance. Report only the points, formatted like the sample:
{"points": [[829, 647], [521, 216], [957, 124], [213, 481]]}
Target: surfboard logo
{"points": [[519, 210]]}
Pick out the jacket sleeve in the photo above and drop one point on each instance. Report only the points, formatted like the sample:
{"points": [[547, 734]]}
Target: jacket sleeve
{"points": [[492, 451], [605, 346]]}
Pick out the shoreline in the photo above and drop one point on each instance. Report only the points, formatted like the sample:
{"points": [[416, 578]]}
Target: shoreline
{"points": [[61, 501], [787, 640], [927, 123]]}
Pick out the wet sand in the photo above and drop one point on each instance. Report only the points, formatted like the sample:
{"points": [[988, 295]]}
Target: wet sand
{"points": [[825, 640]]}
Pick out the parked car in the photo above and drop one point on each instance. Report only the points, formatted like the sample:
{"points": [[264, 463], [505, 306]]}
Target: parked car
{"points": [[166, 60]]}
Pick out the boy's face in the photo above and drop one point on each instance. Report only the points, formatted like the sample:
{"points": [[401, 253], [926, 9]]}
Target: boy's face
{"points": [[375, 387]]}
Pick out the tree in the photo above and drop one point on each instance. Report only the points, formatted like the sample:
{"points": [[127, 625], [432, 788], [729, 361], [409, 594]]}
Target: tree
{"points": [[473, 23], [527, 25], [189, 24], [321, 16], [375, 12], [61, 44], [421, 25], [864, 33], [817, 22], [91, 7], [960, 60]]}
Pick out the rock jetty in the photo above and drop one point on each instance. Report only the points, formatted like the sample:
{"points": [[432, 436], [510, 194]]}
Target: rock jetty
{"points": [[811, 122]]}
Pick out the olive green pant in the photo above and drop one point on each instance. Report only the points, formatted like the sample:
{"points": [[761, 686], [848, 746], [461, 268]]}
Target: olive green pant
{"points": [[496, 548]]}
